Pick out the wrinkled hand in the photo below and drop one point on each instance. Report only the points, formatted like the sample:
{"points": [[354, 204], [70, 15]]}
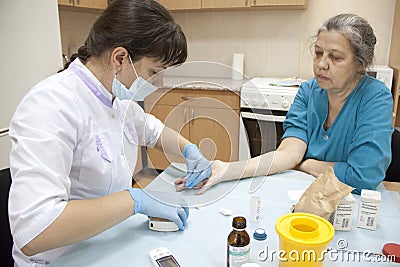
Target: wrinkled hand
{"points": [[198, 167], [218, 170], [161, 204]]}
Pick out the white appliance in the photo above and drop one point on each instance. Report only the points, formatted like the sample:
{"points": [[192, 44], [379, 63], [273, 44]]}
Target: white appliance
{"points": [[263, 109], [30, 51], [382, 73]]}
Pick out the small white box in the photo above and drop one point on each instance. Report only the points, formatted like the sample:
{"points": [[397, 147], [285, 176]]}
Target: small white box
{"points": [[255, 208], [369, 209], [342, 217]]}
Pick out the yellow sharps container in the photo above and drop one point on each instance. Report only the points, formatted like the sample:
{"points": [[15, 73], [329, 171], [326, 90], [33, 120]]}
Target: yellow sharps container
{"points": [[303, 239]]}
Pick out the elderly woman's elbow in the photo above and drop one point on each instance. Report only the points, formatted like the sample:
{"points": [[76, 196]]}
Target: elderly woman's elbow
{"points": [[295, 159], [366, 184], [291, 151]]}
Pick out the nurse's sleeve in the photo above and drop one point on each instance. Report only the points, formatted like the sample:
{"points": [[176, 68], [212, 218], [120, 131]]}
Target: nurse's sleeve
{"points": [[370, 152], [148, 128], [42, 133], [295, 124]]}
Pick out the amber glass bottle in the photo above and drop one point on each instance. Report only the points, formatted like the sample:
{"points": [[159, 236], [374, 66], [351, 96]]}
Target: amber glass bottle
{"points": [[238, 250]]}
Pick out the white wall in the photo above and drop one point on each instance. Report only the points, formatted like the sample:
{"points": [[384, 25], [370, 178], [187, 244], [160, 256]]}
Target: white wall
{"points": [[75, 28], [274, 42], [380, 15], [30, 50]]}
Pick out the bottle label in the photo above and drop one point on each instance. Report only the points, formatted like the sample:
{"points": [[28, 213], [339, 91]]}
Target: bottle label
{"points": [[238, 255]]}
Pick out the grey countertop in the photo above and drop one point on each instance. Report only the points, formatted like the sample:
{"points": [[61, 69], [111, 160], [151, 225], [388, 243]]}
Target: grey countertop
{"points": [[204, 83]]}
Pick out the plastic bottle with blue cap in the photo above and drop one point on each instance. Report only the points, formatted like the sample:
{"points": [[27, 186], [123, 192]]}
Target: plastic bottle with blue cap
{"points": [[258, 245], [259, 234]]}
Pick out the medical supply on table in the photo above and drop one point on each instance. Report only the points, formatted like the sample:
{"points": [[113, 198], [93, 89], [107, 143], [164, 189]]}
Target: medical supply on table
{"points": [[303, 237], [323, 195], [162, 257], [255, 208], [392, 251], [368, 210], [162, 225], [342, 217], [258, 246], [225, 212], [259, 234], [238, 251]]}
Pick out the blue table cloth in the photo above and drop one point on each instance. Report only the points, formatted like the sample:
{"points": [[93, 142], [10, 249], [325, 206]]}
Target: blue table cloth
{"points": [[204, 241]]}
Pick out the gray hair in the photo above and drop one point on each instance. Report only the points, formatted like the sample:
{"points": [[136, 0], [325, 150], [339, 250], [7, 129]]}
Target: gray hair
{"points": [[358, 31]]}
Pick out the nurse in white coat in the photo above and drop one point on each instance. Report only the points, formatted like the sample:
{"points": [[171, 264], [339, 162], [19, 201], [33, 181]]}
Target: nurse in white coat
{"points": [[75, 136]]}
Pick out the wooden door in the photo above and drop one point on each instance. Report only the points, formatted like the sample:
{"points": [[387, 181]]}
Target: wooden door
{"points": [[176, 118], [224, 3], [181, 5], [216, 132]]}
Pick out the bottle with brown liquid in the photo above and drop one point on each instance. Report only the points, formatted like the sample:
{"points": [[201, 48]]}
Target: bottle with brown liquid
{"points": [[238, 250]]}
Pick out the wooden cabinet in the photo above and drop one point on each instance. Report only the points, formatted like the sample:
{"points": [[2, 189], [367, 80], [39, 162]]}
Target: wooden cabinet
{"points": [[208, 118], [224, 3], [176, 5], [66, 2], [181, 5], [300, 4], [95, 4]]}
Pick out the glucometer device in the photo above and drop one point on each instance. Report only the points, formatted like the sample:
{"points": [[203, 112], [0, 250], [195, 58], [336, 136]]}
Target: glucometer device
{"points": [[162, 257], [162, 225]]}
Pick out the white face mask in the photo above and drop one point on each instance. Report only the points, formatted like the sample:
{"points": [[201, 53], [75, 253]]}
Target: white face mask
{"points": [[138, 91]]}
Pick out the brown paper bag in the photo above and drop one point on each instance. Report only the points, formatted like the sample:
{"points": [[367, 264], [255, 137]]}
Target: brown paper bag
{"points": [[323, 195]]}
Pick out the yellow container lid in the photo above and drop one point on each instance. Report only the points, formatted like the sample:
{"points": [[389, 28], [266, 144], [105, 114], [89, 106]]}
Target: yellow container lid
{"points": [[305, 229]]}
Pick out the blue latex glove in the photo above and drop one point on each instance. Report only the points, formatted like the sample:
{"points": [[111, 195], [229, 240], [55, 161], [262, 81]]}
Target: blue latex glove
{"points": [[198, 167], [160, 204]]}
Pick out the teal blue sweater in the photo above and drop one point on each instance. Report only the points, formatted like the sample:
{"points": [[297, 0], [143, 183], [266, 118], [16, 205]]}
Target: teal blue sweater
{"points": [[359, 139]]}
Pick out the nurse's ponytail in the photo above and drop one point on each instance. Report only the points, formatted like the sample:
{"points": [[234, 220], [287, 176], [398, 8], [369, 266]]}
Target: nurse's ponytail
{"points": [[83, 55]]}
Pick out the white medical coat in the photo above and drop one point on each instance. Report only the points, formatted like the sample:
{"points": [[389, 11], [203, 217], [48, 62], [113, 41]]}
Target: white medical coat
{"points": [[70, 141]]}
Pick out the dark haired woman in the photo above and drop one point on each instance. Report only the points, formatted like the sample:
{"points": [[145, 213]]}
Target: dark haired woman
{"points": [[75, 136]]}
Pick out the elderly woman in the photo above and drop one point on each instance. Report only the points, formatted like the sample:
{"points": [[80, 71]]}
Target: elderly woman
{"points": [[341, 118]]}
